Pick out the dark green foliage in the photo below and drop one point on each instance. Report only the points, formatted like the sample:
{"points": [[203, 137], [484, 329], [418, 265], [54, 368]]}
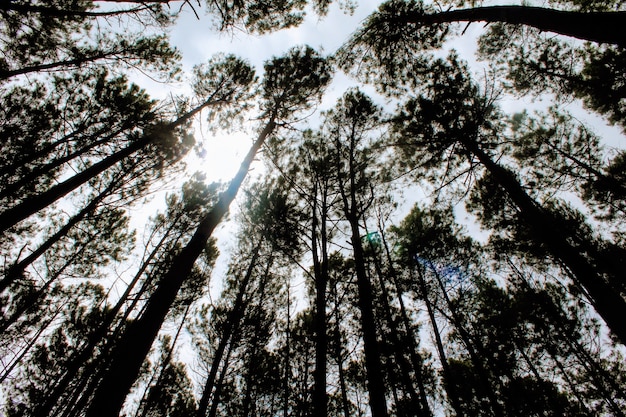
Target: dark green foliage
{"points": [[535, 64], [172, 393], [390, 51], [262, 17]]}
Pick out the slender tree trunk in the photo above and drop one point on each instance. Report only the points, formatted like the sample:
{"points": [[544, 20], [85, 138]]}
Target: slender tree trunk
{"points": [[135, 343], [17, 270], [44, 153], [474, 348], [320, 268], [339, 358], [251, 365], [375, 381], [600, 27], [393, 386], [403, 364], [54, 12], [450, 383], [145, 398], [30, 301], [607, 301], [47, 168], [234, 319], [287, 365], [416, 358], [573, 346], [67, 63], [32, 205], [218, 387], [86, 352], [6, 372], [353, 211]]}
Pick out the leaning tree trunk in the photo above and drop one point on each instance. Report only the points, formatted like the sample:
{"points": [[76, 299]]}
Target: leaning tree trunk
{"points": [[450, 383], [231, 326], [477, 354], [16, 270], [399, 348], [605, 299], [52, 165], [136, 341], [600, 27], [414, 354], [32, 205], [147, 396]]}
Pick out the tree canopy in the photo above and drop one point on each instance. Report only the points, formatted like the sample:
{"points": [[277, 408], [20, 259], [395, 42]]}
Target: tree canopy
{"points": [[398, 239]]}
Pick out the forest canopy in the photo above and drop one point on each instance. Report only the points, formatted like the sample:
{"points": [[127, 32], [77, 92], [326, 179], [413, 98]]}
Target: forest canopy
{"points": [[394, 241]]}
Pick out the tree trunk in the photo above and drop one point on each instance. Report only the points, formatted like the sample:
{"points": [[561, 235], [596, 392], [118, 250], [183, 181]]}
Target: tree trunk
{"points": [[375, 381], [147, 394], [286, 381], [402, 363], [606, 301], [136, 341], [32, 205], [339, 359], [86, 352], [18, 359], [234, 319], [17, 270], [47, 168], [220, 382], [474, 348], [600, 27], [46, 12], [416, 358], [453, 395], [320, 268]]}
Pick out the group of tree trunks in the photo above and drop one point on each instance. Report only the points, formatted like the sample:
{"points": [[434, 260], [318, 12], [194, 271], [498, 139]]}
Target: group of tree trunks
{"points": [[330, 305]]}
